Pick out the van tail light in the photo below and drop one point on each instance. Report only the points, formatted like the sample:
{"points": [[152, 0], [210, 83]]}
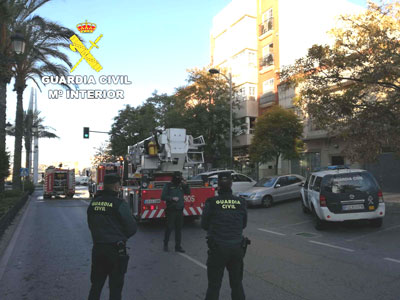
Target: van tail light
{"points": [[380, 196], [322, 201]]}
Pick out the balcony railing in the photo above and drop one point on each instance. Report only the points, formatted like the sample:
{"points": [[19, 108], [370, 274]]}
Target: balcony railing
{"points": [[266, 61], [267, 26]]}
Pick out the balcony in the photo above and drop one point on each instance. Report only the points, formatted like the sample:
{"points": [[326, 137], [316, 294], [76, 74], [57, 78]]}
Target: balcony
{"points": [[267, 61], [268, 99], [247, 108], [267, 26], [242, 140]]}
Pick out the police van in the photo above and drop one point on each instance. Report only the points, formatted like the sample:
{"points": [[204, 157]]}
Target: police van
{"points": [[341, 194]]}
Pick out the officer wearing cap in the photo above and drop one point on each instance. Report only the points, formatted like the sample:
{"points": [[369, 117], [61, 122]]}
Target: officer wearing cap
{"points": [[172, 194], [111, 225], [224, 218]]}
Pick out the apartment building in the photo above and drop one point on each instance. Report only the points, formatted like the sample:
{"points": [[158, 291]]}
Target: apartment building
{"points": [[234, 51], [284, 30]]}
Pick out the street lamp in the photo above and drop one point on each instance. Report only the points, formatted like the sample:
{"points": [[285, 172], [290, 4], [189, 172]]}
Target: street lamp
{"points": [[18, 42], [229, 79]]}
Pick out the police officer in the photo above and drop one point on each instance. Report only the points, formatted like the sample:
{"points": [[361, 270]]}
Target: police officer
{"points": [[172, 194], [224, 218], [111, 225]]}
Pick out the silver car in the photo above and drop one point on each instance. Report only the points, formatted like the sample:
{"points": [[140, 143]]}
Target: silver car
{"points": [[273, 189]]}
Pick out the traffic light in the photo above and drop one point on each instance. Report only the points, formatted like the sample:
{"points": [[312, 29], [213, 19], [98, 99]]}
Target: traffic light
{"points": [[85, 132]]}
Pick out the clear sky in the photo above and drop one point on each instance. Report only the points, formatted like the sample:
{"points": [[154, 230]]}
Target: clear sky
{"points": [[153, 42]]}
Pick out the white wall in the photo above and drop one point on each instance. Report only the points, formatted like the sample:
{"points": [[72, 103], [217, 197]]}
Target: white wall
{"points": [[304, 23]]}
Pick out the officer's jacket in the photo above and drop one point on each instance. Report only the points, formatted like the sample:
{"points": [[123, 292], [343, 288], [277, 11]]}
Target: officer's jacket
{"points": [[171, 190], [109, 218], [224, 218]]}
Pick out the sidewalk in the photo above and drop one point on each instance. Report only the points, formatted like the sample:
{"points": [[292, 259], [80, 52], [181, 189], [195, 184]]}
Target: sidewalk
{"points": [[391, 197]]}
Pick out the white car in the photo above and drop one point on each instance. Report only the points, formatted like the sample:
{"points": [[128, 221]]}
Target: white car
{"points": [[341, 195], [240, 182]]}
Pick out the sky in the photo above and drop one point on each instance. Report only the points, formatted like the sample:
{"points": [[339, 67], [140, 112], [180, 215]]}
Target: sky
{"points": [[152, 42]]}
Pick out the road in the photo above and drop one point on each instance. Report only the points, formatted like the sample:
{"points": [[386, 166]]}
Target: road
{"points": [[48, 257]]}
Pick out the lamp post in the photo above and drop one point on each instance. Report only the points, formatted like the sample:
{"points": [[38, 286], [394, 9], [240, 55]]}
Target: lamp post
{"points": [[18, 42], [229, 79]]}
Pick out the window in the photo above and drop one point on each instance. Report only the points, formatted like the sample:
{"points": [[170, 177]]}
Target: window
{"points": [[283, 181], [252, 58], [268, 85], [311, 182], [265, 182], [351, 183], [267, 22], [293, 179], [317, 184], [244, 178], [267, 56], [252, 90]]}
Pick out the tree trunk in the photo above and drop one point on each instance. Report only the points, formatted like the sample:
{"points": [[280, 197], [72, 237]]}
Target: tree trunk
{"points": [[276, 164], [3, 107], [19, 126], [28, 149]]}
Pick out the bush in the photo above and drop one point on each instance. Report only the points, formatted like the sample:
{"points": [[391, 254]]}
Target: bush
{"points": [[8, 199], [29, 186]]}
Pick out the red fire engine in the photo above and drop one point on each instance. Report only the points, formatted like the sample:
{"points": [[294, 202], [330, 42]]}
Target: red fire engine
{"points": [[59, 182], [151, 164], [97, 176]]}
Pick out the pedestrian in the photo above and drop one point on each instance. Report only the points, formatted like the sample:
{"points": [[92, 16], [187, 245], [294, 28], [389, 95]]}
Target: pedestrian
{"points": [[111, 225], [172, 194], [224, 217]]}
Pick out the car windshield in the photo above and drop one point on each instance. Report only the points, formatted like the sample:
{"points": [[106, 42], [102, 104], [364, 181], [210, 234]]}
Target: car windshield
{"points": [[348, 183], [266, 182]]}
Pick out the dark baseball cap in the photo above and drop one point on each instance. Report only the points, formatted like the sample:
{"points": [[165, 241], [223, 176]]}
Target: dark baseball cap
{"points": [[111, 179]]}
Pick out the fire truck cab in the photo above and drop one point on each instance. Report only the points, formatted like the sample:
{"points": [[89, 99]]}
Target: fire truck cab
{"points": [[96, 182]]}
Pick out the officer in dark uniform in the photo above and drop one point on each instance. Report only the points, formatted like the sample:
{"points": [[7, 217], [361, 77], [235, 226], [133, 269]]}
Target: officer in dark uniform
{"points": [[172, 194], [224, 218], [111, 225]]}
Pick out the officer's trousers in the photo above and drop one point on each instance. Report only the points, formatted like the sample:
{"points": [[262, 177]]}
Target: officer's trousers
{"points": [[219, 258], [105, 263], [174, 221]]}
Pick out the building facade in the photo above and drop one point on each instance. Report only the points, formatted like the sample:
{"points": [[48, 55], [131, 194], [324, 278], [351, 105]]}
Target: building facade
{"points": [[278, 32]]}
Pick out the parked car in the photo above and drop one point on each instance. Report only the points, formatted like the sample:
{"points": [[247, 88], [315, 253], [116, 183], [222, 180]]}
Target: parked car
{"points": [[343, 194], [240, 182], [273, 189]]}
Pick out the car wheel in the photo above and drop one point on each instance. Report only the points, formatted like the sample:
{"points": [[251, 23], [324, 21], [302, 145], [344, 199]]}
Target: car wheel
{"points": [[267, 201], [377, 222], [303, 207], [319, 224]]}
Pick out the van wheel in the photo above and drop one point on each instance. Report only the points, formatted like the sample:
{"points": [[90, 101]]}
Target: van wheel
{"points": [[303, 207], [319, 224], [267, 201], [377, 223]]}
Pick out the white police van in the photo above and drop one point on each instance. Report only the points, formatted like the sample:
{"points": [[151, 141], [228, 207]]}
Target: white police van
{"points": [[341, 194]]}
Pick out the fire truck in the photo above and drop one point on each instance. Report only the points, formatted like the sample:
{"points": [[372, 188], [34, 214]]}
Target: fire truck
{"points": [[58, 182], [97, 173], [151, 164]]}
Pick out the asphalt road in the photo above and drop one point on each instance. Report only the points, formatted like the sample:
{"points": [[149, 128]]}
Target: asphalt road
{"points": [[48, 257]]}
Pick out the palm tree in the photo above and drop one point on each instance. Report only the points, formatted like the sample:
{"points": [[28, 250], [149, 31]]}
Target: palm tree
{"points": [[32, 119], [11, 12], [44, 39]]}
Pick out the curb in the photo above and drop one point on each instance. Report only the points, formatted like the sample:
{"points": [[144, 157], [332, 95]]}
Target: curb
{"points": [[9, 216]]}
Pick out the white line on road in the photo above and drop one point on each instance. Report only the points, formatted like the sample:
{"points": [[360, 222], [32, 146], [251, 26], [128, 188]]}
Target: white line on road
{"points": [[10, 248], [332, 246], [392, 259], [269, 231], [375, 232], [87, 203], [193, 260]]}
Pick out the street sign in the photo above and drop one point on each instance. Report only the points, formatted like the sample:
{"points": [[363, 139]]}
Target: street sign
{"points": [[24, 172]]}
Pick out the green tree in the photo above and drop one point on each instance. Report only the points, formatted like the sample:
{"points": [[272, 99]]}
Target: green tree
{"points": [[11, 13], [277, 134], [131, 126], [352, 88], [44, 41], [103, 155]]}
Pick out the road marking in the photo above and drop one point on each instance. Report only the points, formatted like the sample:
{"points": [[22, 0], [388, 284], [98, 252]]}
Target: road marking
{"points": [[294, 224], [269, 231], [10, 248], [87, 203], [193, 260], [392, 259], [379, 231], [332, 246]]}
